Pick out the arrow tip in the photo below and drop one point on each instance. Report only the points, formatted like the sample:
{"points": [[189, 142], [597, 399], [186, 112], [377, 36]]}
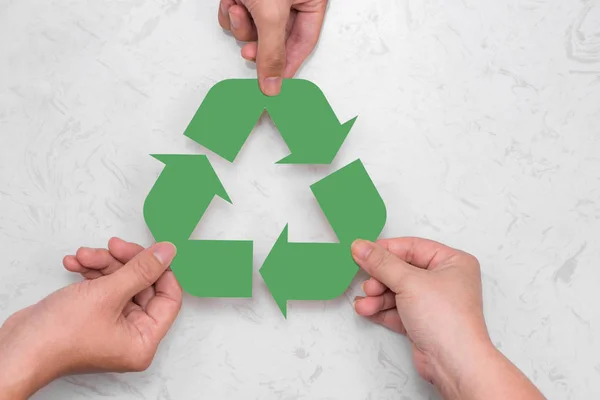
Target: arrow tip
{"points": [[282, 304], [221, 192], [196, 163], [348, 125], [216, 183], [289, 159], [163, 158], [326, 151], [272, 275]]}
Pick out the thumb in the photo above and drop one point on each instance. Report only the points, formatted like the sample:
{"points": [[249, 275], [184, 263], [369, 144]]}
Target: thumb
{"points": [[142, 271], [381, 264], [271, 19]]}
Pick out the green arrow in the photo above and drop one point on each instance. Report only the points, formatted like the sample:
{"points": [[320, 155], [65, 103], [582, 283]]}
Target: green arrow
{"points": [[181, 195], [323, 271], [307, 271], [173, 208], [227, 116], [351, 203], [214, 268], [301, 113], [307, 123]]}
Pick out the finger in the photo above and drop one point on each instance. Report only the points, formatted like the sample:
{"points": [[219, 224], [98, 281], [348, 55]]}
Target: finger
{"points": [[270, 20], [129, 307], [389, 319], [71, 264], [94, 258], [367, 306], [122, 250], [88, 259], [143, 298], [164, 306], [381, 264], [241, 24], [302, 40], [290, 23], [99, 262], [249, 50], [141, 272], [91, 274], [422, 253], [372, 287], [224, 13]]}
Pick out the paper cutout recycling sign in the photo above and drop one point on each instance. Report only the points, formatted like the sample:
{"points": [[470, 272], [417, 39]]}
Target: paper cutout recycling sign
{"points": [[188, 183]]}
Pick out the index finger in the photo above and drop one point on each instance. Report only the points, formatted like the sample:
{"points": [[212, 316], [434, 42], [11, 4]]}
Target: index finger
{"points": [[166, 303], [122, 250], [223, 14], [142, 271]]}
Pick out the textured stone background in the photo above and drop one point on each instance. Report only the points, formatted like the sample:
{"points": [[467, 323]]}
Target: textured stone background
{"points": [[479, 122]]}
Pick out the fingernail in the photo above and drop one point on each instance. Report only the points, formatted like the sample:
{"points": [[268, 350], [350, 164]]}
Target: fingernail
{"points": [[361, 249], [233, 21], [363, 285], [272, 85], [224, 9], [356, 299], [164, 252]]}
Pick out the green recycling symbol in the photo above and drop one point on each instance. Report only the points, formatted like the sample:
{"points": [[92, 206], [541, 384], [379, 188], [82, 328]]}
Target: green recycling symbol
{"points": [[188, 183]]}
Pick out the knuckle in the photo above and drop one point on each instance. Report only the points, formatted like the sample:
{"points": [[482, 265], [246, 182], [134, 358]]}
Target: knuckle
{"points": [[223, 24], [389, 300], [275, 61], [239, 35], [471, 260], [379, 318], [380, 259], [245, 35], [140, 364], [140, 361], [146, 268], [12, 321], [301, 41]]}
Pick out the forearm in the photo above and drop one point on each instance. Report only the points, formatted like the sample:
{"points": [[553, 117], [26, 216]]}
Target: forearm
{"points": [[485, 374], [13, 386]]}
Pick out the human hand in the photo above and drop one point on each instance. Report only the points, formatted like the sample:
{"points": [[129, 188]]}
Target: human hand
{"points": [[281, 34], [112, 321], [432, 294]]}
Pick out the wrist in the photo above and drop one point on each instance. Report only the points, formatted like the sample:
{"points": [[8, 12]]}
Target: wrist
{"points": [[481, 371], [26, 366], [457, 367]]}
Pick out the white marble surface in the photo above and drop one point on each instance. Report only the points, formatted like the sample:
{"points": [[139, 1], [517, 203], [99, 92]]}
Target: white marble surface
{"points": [[479, 122]]}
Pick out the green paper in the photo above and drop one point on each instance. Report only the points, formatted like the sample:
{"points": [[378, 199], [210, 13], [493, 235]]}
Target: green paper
{"points": [[181, 195], [188, 183], [323, 271], [214, 268], [173, 208], [300, 112], [351, 203]]}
